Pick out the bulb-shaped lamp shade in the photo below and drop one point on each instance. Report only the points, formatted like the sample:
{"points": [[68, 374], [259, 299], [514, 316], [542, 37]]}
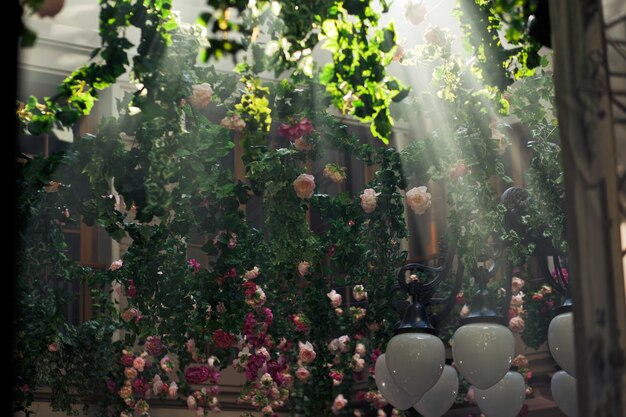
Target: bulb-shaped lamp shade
{"points": [[561, 342], [504, 399], [415, 361], [483, 352], [564, 392], [440, 398], [393, 394]]}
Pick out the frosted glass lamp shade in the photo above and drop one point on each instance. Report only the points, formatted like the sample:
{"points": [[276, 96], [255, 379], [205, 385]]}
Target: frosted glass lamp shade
{"points": [[561, 342], [504, 399], [415, 361], [564, 392], [438, 400], [395, 395], [483, 352]]}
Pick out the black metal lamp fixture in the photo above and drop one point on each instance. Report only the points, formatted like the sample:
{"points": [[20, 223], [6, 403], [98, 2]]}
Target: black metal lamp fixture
{"points": [[412, 372]]}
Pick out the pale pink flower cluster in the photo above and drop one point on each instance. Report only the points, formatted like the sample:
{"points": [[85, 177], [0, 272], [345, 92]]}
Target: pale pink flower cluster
{"points": [[335, 298], [303, 268], [339, 345], [359, 293], [339, 403], [517, 324], [419, 199], [201, 95], [435, 36], [335, 173], [233, 122], [304, 186], [302, 145], [130, 314], [516, 308], [357, 313], [115, 265], [465, 310], [303, 374], [357, 363], [415, 12], [306, 352], [253, 273], [369, 200]]}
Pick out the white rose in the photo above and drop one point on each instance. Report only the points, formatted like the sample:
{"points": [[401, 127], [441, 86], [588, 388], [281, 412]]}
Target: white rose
{"points": [[418, 199], [415, 13]]}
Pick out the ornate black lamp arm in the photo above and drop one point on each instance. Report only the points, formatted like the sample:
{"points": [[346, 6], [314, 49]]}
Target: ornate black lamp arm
{"points": [[421, 290]]}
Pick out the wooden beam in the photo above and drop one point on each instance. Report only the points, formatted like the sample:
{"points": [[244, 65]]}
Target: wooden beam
{"points": [[589, 158]]}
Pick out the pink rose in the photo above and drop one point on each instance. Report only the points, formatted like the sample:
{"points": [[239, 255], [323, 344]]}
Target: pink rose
{"points": [[307, 353], [157, 385], [303, 268], [166, 364], [339, 311], [545, 289], [520, 361], [516, 324], [344, 341], [50, 8], [470, 397], [142, 407], [518, 299], [369, 200], [415, 12], [172, 391], [335, 299], [201, 95], [233, 122], [54, 347], [397, 56], [253, 273], [358, 363], [139, 363], [360, 349], [304, 185], [359, 293], [434, 36], [335, 173], [130, 373], [340, 402], [116, 265], [464, 311], [191, 402], [302, 374], [302, 145], [517, 284], [458, 171], [418, 199], [130, 314]]}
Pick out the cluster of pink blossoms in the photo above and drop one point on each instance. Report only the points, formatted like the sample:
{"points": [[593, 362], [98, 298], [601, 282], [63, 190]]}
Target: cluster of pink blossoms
{"points": [[204, 399], [297, 132], [516, 308], [137, 387], [268, 376]]}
